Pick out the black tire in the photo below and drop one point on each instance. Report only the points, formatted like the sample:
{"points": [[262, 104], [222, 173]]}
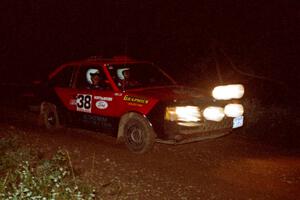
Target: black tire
{"points": [[49, 116], [138, 133]]}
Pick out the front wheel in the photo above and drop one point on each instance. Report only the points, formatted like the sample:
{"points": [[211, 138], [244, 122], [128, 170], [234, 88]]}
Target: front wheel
{"points": [[137, 132]]}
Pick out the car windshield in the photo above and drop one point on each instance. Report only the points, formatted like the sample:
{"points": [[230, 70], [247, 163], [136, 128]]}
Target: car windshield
{"points": [[128, 76]]}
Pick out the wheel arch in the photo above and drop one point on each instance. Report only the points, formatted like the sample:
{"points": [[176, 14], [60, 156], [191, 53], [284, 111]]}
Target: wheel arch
{"points": [[123, 120]]}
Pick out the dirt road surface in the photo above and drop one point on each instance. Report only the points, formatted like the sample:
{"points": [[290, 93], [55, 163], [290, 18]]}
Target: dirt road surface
{"points": [[231, 167]]}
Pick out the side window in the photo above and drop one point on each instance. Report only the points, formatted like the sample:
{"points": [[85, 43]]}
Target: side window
{"points": [[92, 77], [63, 78]]}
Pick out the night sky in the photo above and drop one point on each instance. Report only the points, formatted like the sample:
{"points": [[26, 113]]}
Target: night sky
{"points": [[262, 37]]}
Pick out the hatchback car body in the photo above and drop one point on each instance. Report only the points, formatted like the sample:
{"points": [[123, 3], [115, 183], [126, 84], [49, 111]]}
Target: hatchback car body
{"points": [[137, 102]]}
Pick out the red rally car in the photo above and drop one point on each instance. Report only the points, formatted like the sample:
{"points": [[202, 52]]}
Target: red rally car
{"points": [[137, 102]]}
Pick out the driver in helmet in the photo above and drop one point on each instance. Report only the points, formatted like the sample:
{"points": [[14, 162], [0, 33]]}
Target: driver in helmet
{"points": [[125, 80], [94, 79]]}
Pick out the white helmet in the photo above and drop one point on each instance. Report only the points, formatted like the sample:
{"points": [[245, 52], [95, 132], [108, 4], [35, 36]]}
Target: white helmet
{"points": [[120, 73], [90, 73]]}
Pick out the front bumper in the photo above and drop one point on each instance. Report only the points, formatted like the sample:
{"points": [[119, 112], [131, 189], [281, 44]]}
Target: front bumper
{"points": [[178, 133]]}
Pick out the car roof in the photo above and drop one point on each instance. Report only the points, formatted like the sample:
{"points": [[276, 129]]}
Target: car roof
{"points": [[98, 60], [101, 60]]}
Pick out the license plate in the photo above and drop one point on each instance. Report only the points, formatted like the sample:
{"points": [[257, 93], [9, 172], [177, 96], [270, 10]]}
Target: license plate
{"points": [[238, 122]]}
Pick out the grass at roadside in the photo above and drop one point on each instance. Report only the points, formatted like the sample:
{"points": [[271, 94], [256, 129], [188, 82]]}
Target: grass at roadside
{"points": [[26, 174]]}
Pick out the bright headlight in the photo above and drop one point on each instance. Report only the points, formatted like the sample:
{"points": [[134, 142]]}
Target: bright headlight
{"points": [[214, 113], [183, 113], [234, 110], [226, 92]]}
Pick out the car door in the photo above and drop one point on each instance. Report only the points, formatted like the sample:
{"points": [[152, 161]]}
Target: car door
{"points": [[94, 105]]}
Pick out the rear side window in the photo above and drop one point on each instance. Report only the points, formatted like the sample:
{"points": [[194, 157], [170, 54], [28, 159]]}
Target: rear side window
{"points": [[63, 78]]}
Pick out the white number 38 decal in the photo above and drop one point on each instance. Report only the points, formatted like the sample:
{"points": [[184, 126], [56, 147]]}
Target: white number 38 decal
{"points": [[84, 102]]}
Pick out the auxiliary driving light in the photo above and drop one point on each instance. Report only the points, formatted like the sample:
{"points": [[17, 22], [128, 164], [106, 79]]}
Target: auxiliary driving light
{"points": [[234, 110], [226, 92], [214, 113]]}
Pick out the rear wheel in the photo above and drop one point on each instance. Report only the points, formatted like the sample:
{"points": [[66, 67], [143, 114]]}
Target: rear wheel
{"points": [[49, 116], [137, 132]]}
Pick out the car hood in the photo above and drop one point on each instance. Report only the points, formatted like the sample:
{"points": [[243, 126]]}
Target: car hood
{"points": [[173, 94]]}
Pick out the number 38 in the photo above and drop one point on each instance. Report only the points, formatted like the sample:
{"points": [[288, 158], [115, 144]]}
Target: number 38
{"points": [[84, 101]]}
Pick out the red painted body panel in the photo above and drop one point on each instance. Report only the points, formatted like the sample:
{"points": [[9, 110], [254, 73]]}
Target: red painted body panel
{"points": [[113, 103], [106, 103]]}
